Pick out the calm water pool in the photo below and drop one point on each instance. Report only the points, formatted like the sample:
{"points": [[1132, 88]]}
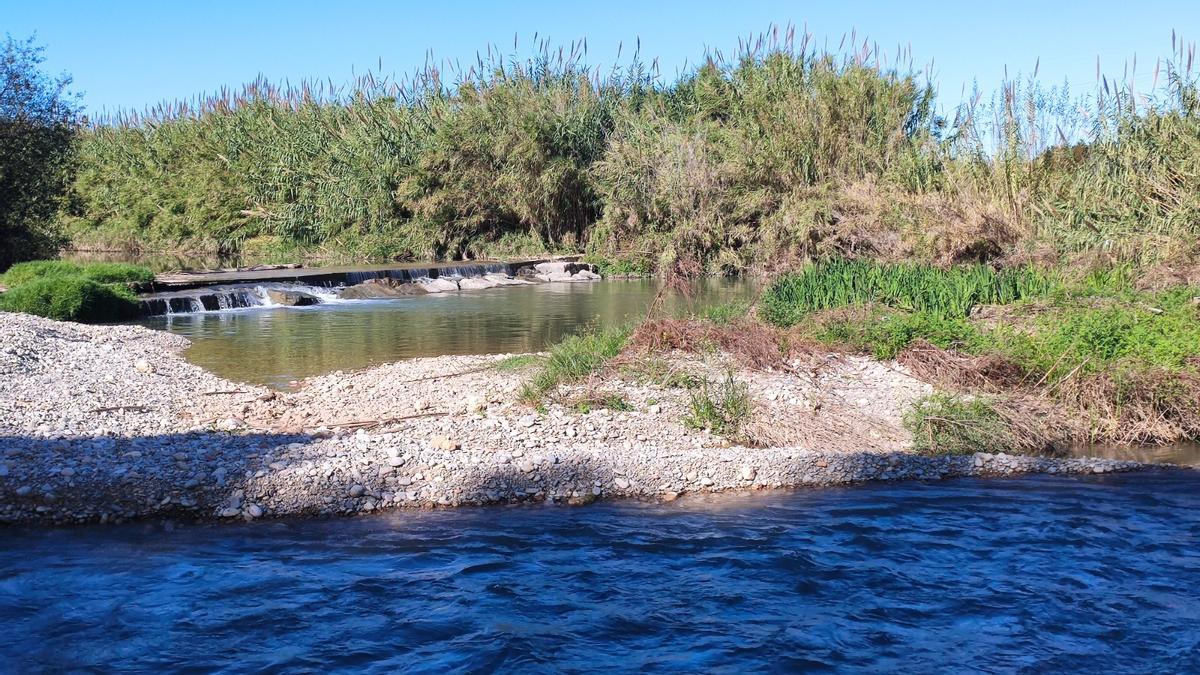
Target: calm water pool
{"points": [[1036, 575], [274, 346]]}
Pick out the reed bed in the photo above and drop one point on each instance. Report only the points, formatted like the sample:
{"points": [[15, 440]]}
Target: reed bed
{"points": [[781, 152]]}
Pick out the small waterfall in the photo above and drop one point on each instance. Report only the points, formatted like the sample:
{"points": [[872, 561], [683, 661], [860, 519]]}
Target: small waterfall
{"points": [[234, 296]]}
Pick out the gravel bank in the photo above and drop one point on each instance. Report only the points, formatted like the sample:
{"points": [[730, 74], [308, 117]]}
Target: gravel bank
{"points": [[102, 423]]}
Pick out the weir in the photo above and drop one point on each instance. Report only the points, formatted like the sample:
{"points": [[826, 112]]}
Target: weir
{"points": [[343, 276], [196, 292]]}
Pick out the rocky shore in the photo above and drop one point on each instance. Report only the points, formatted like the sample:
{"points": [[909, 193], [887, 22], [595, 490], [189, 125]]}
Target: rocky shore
{"points": [[111, 423]]}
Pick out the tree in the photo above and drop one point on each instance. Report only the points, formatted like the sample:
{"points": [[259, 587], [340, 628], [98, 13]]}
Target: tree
{"points": [[39, 117]]}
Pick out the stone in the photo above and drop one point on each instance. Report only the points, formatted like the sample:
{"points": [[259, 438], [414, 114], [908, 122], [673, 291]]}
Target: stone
{"points": [[254, 511], [440, 285], [143, 366], [357, 490], [230, 512], [476, 283], [621, 483], [748, 473], [230, 424], [373, 289], [706, 481], [443, 443], [287, 298], [527, 466]]}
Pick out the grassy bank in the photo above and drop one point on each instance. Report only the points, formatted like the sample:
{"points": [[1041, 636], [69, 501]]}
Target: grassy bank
{"points": [[782, 153], [91, 293], [1125, 362]]}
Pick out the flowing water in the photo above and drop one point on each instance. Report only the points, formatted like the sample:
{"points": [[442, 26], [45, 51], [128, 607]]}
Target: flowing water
{"points": [[1043, 574], [273, 346]]}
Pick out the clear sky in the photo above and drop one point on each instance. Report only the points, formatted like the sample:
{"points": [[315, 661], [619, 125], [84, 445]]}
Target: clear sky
{"points": [[130, 54]]}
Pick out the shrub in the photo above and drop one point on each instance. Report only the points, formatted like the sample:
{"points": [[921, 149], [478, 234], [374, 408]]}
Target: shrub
{"points": [[724, 408], [72, 298], [942, 424], [573, 359], [103, 273], [39, 269], [117, 273]]}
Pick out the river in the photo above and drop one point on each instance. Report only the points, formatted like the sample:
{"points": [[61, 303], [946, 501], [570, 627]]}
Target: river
{"points": [[1043, 574], [277, 345]]}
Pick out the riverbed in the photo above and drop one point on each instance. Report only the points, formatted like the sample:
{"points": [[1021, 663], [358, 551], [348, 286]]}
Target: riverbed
{"points": [[1040, 574]]}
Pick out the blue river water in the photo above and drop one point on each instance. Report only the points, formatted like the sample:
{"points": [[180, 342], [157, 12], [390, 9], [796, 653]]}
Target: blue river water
{"points": [[1042, 574]]}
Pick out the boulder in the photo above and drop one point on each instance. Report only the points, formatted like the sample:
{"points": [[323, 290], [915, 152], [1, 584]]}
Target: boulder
{"points": [[291, 298], [381, 288], [437, 285], [476, 283], [585, 275], [552, 267]]}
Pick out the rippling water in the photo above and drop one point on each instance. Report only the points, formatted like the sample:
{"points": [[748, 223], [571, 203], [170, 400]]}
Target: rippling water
{"points": [[1038, 575]]}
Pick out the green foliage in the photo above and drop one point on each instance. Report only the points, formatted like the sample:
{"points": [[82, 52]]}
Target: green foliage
{"points": [[39, 269], [117, 273], [103, 273], [38, 121], [609, 401], [831, 284], [72, 298], [573, 359], [727, 312], [517, 362], [942, 424], [885, 334], [722, 407]]}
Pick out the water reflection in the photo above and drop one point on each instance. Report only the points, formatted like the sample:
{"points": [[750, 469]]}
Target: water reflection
{"points": [[275, 346]]}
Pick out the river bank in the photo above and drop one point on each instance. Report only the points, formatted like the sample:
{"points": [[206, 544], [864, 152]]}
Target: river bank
{"points": [[110, 423]]}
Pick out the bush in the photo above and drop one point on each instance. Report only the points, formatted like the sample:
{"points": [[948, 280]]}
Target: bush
{"points": [[72, 298], [117, 273], [102, 273], [724, 408], [942, 424], [39, 269]]}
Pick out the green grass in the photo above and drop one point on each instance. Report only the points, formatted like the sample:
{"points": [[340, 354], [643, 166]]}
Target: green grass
{"points": [[722, 407], [72, 298], [517, 362], [104, 273], [727, 312], [942, 424], [573, 359], [953, 292]]}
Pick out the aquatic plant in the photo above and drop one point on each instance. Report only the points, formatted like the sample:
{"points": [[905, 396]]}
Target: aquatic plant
{"points": [[953, 292]]}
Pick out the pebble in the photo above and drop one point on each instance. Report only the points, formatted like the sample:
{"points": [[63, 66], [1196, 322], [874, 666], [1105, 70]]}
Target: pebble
{"points": [[142, 461]]}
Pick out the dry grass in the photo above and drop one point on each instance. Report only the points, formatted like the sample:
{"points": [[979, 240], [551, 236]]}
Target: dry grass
{"points": [[751, 343]]}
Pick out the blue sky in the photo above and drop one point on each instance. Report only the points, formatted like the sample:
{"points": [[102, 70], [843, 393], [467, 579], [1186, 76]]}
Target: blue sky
{"points": [[130, 54]]}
